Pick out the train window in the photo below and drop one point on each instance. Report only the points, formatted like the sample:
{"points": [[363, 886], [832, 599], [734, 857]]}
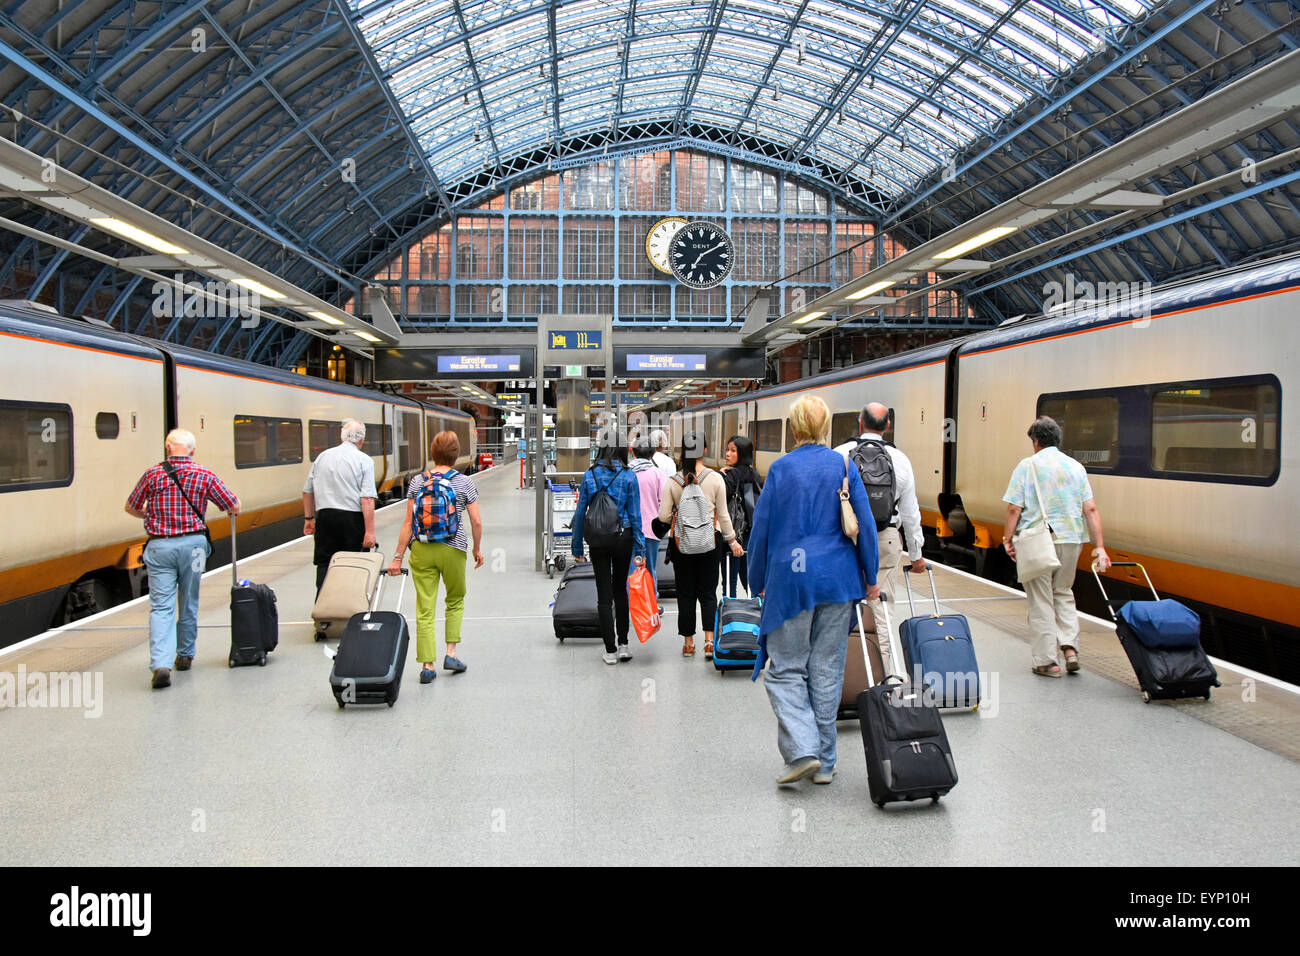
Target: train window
{"points": [[379, 438], [708, 425], [322, 435], [766, 435], [409, 451], [35, 446], [844, 427], [1089, 426], [107, 425], [730, 426], [1224, 429], [789, 436], [260, 442]]}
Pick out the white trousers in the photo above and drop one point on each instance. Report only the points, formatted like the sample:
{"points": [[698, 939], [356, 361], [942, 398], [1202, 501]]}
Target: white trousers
{"points": [[890, 544], [1053, 620]]}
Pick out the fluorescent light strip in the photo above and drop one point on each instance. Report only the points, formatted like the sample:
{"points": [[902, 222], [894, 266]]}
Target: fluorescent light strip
{"points": [[983, 239], [365, 335], [809, 317], [138, 236], [324, 318], [872, 289]]}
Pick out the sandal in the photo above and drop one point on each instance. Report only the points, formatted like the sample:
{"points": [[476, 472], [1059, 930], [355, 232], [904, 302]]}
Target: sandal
{"points": [[688, 648], [1048, 670], [1072, 662], [708, 650]]}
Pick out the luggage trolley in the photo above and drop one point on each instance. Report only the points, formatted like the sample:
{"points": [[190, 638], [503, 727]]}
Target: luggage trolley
{"points": [[561, 505]]}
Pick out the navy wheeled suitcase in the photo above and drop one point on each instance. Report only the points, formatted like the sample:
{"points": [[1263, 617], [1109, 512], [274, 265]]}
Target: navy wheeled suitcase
{"points": [[735, 633], [372, 654], [574, 612], [1162, 641], [254, 618], [908, 755], [939, 652]]}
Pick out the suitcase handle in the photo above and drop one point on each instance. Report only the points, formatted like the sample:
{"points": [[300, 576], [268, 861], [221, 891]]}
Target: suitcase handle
{"points": [[889, 637], [374, 601], [934, 592], [1110, 605], [234, 556]]}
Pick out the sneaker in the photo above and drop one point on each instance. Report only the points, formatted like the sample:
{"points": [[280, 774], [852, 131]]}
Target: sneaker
{"points": [[624, 653], [183, 663], [824, 776], [453, 664], [609, 658], [799, 769], [427, 675], [162, 677]]}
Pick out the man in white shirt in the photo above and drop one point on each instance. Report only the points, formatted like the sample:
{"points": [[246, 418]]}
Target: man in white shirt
{"points": [[338, 499], [906, 517], [661, 460]]}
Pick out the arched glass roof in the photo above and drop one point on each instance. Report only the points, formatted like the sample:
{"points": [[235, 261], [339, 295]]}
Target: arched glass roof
{"points": [[886, 91]]}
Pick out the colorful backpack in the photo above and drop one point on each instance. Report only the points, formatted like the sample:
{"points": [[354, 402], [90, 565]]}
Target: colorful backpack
{"points": [[436, 517]]}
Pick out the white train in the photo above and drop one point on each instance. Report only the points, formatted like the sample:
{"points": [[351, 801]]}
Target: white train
{"points": [[83, 412], [1186, 421]]}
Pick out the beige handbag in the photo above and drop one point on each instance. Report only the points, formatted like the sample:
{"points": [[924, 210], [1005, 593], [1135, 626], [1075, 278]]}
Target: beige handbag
{"points": [[848, 519], [1036, 546]]}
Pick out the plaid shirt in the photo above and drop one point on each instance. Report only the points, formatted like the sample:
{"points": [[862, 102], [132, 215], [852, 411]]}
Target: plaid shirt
{"points": [[168, 513]]}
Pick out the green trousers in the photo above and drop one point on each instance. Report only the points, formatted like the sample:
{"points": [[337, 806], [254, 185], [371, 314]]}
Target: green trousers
{"points": [[429, 563]]}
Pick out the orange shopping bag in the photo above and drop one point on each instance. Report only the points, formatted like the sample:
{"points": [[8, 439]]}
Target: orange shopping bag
{"points": [[643, 603]]}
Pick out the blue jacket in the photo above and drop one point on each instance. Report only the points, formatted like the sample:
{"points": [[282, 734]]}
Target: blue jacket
{"points": [[626, 492], [797, 552]]}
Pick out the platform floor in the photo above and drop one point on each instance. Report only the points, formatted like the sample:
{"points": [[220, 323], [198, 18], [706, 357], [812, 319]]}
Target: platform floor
{"points": [[543, 754]]}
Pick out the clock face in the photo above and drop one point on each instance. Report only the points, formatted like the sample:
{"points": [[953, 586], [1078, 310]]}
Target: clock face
{"points": [[658, 239], [701, 255]]}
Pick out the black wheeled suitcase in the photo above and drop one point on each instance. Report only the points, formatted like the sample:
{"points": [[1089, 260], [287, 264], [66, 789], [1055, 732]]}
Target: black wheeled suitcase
{"points": [[574, 612], [254, 618], [665, 573], [1168, 666], [372, 654], [908, 755]]}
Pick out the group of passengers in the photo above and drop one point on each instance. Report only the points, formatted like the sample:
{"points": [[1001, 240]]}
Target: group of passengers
{"points": [[786, 539]]}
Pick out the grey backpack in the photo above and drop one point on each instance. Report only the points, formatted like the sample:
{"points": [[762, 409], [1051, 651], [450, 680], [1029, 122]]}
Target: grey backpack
{"points": [[693, 524]]}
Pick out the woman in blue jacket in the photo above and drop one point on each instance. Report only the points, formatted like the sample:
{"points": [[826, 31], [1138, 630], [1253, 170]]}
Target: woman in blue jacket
{"points": [[812, 574], [610, 560]]}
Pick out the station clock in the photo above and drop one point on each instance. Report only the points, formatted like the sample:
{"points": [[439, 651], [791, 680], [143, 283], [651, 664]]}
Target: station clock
{"points": [[657, 241], [701, 254]]}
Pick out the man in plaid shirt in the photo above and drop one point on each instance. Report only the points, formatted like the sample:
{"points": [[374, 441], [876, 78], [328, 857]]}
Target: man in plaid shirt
{"points": [[177, 551]]}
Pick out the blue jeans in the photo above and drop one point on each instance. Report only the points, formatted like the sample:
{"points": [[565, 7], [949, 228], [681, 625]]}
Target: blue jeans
{"points": [[652, 559], [175, 567], [804, 679]]}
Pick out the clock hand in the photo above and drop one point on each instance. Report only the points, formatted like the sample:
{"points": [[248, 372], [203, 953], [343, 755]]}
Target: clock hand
{"points": [[706, 252]]}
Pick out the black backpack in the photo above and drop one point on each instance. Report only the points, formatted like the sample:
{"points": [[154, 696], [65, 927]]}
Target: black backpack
{"points": [[740, 507], [602, 526], [877, 470]]}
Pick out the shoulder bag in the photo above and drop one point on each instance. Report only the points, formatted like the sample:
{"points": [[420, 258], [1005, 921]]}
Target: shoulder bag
{"points": [[1035, 547], [848, 518]]}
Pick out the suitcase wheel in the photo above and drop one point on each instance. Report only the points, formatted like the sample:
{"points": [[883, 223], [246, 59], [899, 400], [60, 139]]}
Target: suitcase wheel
{"points": [[391, 703], [1146, 698], [1207, 695], [339, 701], [561, 639], [934, 798], [262, 662], [881, 804], [231, 662]]}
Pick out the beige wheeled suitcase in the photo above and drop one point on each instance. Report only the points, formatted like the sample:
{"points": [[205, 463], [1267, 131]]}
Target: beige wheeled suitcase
{"points": [[349, 587]]}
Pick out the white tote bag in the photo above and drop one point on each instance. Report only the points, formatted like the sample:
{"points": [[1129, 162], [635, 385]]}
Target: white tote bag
{"points": [[1036, 547]]}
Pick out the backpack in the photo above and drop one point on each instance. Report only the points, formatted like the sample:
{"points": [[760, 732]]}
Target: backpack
{"points": [[436, 517], [740, 507], [693, 522], [877, 470], [601, 525]]}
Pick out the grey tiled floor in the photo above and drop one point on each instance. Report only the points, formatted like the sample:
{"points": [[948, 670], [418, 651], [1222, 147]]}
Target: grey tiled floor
{"points": [[543, 754]]}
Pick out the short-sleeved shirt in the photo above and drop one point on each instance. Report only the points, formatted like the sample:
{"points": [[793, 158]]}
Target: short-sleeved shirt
{"points": [[1065, 488], [166, 511], [340, 477], [466, 495]]}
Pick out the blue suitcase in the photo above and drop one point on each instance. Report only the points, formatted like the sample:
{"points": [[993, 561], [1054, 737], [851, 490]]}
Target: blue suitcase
{"points": [[939, 651], [735, 633]]}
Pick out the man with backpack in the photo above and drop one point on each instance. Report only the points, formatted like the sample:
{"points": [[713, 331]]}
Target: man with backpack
{"points": [[890, 484]]}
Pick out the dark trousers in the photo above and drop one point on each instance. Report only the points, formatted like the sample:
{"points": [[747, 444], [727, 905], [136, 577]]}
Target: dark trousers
{"points": [[697, 581], [610, 565], [737, 568], [336, 531]]}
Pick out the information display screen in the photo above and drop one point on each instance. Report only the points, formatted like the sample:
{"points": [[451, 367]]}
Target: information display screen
{"points": [[478, 363], [665, 362]]}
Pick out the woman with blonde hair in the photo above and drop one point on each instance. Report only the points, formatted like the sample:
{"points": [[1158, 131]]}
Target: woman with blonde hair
{"points": [[811, 573]]}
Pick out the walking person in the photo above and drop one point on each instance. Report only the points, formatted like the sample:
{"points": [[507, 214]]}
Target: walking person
{"points": [[810, 573], [338, 499], [608, 522], [744, 485], [172, 498], [695, 503], [889, 472], [651, 481], [438, 502], [661, 459], [1061, 484]]}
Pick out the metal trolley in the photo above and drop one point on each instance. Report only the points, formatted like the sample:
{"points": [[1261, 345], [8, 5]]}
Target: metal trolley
{"points": [[561, 505]]}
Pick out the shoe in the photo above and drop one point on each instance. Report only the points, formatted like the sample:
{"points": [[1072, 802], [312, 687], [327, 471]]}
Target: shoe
{"points": [[427, 675], [1072, 662], [799, 769], [183, 663], [609, 658], [1048, 670], [824, 776], [624, 653], [688, 647], [453, 664], [162, 677], [708, 650]]}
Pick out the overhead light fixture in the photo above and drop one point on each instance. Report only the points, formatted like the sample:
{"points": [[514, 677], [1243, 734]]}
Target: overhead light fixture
{"points": [[872, 289], [252, 285], [366, 335], [324, 318], [138, 236], [809, 317], [975, 242]]}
